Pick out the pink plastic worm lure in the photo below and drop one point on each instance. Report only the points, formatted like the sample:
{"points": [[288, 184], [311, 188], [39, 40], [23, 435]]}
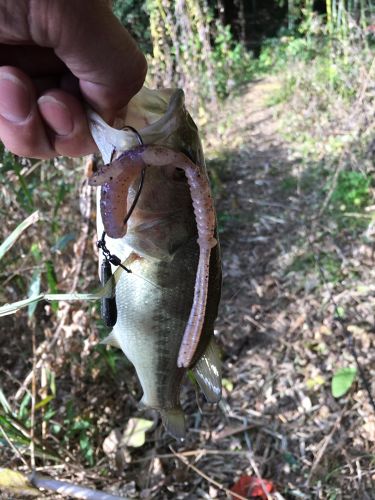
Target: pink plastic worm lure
{"points": [[116, 179]]}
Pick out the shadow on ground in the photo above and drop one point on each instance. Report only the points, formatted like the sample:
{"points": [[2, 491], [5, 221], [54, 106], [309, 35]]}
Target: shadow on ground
{"points": [[283, 267]]}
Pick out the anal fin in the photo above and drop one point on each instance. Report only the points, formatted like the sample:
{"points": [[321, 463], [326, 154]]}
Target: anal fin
{"points": [[207, 372], [111, 340]]}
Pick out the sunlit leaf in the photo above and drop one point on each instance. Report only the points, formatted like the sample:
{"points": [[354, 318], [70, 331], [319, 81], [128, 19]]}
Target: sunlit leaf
{"points": [[340, 312], [36, 252], [227, 384], [342, 381], [52, 382], [4, 402], [34, 291], [44, 402], [16, 483], [63, 242], [313, 383], [135, 432], [13, 237], [16, 306], [23, 411]]}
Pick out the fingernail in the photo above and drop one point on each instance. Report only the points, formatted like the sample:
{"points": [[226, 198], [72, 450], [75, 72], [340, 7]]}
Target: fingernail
{"points": [[57, 116], [15, 100]]}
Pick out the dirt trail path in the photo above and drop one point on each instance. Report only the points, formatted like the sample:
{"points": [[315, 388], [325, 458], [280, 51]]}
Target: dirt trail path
{"points": [[276, 324], [259, 220]]}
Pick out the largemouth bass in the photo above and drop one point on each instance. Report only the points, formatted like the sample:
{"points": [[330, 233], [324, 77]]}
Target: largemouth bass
{"points": [[167, 305]]}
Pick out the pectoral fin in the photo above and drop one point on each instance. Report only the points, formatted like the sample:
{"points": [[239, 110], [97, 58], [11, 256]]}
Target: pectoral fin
{"points": [[174, 422], [111, 340], [207, 372]]}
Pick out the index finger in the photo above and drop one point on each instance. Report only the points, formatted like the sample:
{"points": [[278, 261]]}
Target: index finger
{"points": [[93, 44]]}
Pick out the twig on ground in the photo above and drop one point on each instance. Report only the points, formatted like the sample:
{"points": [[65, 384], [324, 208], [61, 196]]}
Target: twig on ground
{"points": [[323, 447], [365, 85], [33, 395], [184, 460], [254, 466], [80, 247], [347, 333], [335, 177], [348, 336], [194, 453]]}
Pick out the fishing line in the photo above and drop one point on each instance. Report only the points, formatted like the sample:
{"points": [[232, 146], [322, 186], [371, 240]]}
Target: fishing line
{"points": [[147, 281], [108, 304]]}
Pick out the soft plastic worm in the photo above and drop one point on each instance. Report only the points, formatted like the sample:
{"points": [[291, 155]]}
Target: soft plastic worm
{"points": [[115, 180]]}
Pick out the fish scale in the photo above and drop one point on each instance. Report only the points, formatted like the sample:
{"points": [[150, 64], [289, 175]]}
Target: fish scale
{"points": [[161, 323]]}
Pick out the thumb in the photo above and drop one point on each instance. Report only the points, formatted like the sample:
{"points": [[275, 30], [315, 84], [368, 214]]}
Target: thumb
{"points": [[96, 48]]}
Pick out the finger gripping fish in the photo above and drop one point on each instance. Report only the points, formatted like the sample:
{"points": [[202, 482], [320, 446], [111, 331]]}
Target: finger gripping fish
{"points": [[116, 180], [167, 306]]}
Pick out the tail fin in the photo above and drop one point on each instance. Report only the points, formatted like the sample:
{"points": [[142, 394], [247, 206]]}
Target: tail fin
{"points": [[174, 422], [207, 372]]}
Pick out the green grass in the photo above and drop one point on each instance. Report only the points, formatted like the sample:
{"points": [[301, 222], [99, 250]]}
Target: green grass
{"points": [[350, 197], [352, 191], [328, 262], [289, 183]]}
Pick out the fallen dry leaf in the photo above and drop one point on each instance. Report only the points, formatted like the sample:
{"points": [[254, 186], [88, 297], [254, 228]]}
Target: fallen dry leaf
{"points": [[251, 487]]}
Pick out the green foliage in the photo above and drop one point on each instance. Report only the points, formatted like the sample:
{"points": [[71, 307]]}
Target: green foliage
{"points": [[338, 13], [233, 63], [109, 358], [74, 428], [342, 381], [79, 428], [350, 196], [134, 17], [329, 47], [332, 71], [352, 190], [195, 52], [289, 183], [328, 262], [326, 73], [277, 52], [15, 425]]}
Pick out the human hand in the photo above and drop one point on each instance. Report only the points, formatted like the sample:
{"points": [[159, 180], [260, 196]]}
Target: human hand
{"points": [[54, 55]]}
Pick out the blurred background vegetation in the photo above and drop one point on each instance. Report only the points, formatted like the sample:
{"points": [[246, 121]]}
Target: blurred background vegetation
{"points": [[320, 52]]}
